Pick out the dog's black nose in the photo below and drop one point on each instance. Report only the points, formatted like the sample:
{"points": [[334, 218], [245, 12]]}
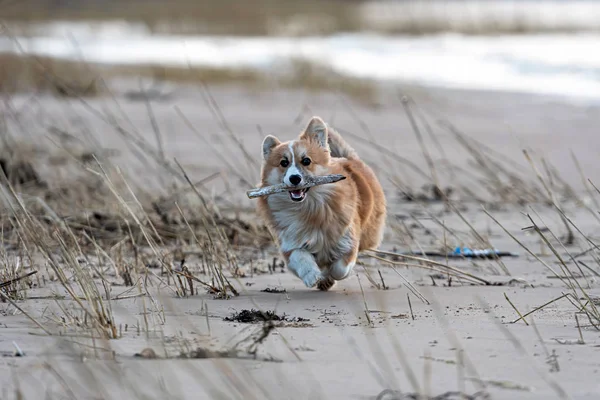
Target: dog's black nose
{"points": [[295, 179]]}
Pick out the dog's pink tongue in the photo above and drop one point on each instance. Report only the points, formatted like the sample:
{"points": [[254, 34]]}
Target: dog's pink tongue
{"points": [[296, 193]]}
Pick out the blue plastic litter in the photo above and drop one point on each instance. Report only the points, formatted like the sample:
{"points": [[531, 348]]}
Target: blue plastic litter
{"points": [[465, 251]]}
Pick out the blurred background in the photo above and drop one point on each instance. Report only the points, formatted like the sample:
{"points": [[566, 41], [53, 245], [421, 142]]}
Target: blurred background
{"points": [[545, 46], [204, 81]]}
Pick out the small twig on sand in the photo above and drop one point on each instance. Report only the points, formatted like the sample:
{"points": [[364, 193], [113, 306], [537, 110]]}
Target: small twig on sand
{"points": [[365, 301], [310, 182], [410, 307], [581, 341], [515, 308], [382, 281], [11, 281]]}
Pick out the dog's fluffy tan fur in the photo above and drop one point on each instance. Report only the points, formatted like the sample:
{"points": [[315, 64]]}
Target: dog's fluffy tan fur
{"points": [[320, 231]]}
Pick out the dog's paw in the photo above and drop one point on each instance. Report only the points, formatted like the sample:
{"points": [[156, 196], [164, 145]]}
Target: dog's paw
{"points": [[326, 283], [312, 278]]}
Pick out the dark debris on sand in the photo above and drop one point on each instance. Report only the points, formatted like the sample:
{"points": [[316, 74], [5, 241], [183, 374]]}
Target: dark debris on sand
{"points": [[274, 290], [397, 395], [203, 353], [255, 316], [429, 194]]}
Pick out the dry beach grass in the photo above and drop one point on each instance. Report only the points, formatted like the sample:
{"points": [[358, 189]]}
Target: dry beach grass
{"points": [[67, 78]]}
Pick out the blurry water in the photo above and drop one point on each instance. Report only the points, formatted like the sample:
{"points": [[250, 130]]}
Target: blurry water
{"points": [[558, 64]]}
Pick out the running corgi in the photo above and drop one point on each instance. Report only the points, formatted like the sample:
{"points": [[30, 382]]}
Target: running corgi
{"points": [[320, 230]]}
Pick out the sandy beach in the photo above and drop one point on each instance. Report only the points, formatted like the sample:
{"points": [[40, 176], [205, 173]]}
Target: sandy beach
{"points": [[133, 264], [361, 338]]}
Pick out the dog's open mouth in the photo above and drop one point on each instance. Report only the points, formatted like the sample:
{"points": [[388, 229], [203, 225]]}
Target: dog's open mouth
{"points": [[298, 195]]}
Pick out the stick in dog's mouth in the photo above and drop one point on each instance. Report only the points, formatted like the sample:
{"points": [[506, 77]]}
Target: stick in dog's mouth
{"points": [[297, 193]]}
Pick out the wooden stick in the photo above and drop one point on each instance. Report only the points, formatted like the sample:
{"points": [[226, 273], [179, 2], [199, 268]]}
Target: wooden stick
{"points": [[310, 182]]}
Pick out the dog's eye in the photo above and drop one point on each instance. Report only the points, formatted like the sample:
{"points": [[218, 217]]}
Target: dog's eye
{"points": [[284, 163], [306, 161]]}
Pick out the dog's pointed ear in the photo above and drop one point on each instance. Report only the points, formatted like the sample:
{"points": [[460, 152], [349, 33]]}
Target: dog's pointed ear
{"points": [[268, 144], [316, 130]]}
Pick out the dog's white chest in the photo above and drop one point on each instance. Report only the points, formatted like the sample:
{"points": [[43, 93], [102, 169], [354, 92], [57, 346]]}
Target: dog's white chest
{"points": [[297, 230]]}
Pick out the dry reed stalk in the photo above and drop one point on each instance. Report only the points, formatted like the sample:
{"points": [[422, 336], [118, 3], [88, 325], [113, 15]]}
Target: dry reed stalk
{"points": [[139, 223], [539, 308], [224, 284], [368, 275], [215, 109], [364, 302], [503, 174], [444, 267], [453, 339], [409, 285], [565, 249], [562, 394], [415, 127], [567, 278], [100, 316], [15, 305], [428, 267], [384, 150], [222, 157]]}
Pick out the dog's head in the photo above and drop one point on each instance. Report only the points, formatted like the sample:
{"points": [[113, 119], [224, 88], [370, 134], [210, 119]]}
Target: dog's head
{"points": [[291, 162]]}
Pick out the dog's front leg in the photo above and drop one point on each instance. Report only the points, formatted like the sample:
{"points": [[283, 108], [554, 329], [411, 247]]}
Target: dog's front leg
{"points": [[303, 265], [341, 268]]}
